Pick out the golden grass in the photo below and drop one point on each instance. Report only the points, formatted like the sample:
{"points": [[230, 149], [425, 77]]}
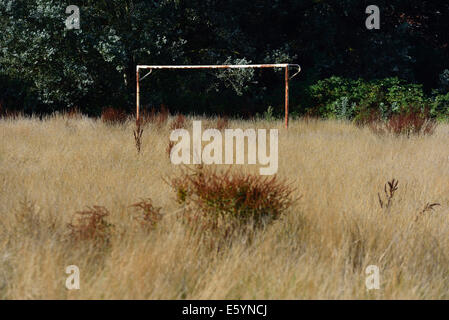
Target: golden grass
{"points": [[53, 168]]}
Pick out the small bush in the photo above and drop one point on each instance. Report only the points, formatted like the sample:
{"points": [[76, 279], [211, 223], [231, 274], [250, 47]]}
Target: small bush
{"points": [[222, 203], [91, 225], [371, 118], [268, 115], [113, 116], [148, 215], [440, 106], [158, 118], [405, 97], [410, 123], [343, 109]]}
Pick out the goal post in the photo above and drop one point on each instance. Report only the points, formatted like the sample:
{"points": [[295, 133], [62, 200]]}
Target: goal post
{"points": [[286, 66]]}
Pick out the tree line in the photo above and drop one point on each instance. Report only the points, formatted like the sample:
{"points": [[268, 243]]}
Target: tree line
{"points": [[45, 67]]}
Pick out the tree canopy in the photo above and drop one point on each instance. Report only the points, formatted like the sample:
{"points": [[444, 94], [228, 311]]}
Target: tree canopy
{"points": [[45, 67]]}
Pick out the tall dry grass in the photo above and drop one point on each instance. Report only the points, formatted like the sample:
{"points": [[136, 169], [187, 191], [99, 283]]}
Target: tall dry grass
{"points": [[320, 248]]}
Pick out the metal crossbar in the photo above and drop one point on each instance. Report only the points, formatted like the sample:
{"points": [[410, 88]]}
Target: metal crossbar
{"points": [[286, 66]]}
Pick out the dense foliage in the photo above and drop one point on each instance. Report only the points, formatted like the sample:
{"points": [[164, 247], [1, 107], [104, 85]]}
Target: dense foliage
{"points": [[44, 67], [344, 98]]}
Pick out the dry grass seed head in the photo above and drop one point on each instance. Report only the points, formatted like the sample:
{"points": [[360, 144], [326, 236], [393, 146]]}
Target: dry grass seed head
{"points": [[427, 208], [389, 194]]}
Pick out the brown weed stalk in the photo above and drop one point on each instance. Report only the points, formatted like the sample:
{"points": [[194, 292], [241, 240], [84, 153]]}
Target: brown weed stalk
{"points": [[389, 194], [427, 208], [138, 136]]}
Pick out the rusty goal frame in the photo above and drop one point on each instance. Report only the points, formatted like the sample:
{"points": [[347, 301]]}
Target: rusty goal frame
{"points": [[286, 66]]}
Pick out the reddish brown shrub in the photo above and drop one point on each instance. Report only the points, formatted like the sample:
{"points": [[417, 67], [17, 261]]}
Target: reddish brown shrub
{"points": [[113, 116], [91, 225], [158, 118], [148, 215], [223, 203], [147, 116], [410, 123]]}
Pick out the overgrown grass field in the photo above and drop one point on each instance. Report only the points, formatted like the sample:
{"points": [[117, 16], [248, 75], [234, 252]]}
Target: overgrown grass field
{"points": [[140, 241]]}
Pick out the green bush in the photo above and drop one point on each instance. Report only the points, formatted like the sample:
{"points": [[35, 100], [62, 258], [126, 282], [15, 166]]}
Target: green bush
{"points": [[343, 98], [440, 106], [402, 96], [343, 108], [326, 92]]}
